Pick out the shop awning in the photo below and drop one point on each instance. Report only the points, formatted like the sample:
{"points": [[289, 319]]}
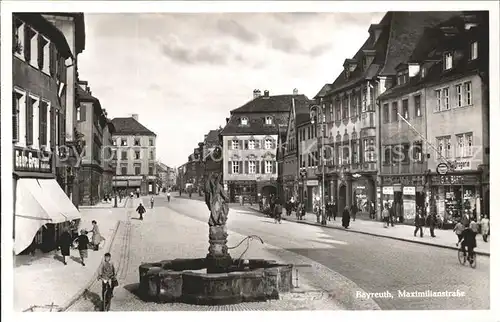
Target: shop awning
{"points": [[55, 191], [35, 207]]}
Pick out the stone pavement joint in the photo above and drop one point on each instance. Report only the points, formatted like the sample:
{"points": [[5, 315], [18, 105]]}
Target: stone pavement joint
{"points": [[478, 250]]}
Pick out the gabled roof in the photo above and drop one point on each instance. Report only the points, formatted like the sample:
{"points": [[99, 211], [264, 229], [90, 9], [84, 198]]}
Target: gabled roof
{"points": [[431, 47], [323, 91], [406, 28], [130, 126], [257, 111], [212, 136], [275, 103]]}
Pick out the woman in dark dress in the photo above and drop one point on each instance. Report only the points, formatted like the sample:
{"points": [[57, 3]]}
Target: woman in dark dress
{"points": [[65, 242], [346, 217]]}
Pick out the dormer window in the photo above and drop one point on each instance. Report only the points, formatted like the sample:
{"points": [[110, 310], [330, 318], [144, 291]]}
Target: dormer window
{"points": [[473, 51], [269, 120], [244, 121], [448, 61]]}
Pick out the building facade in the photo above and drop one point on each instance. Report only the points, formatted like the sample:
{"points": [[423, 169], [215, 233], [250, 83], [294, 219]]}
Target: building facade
{"points": [[39, 108], [250, 145], [135, 153], [72, 26], [96, 168], [349, 107]]}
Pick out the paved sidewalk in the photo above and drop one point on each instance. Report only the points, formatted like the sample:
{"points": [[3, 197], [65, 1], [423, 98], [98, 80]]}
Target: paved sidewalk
{"points": [[43, 280], [444, 238], [109, 204]]}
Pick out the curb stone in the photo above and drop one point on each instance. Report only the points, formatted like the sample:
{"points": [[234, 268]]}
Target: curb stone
{"points": [[375, 234], [79, 294]]}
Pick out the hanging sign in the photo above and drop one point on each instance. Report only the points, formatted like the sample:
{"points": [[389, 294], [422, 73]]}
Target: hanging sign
{"points": [[409, 191], [388, 190]]}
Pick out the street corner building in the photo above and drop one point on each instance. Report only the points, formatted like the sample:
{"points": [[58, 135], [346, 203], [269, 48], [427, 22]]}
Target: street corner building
{"points": [[350, 107], [441, 94], [135, 155], [46, 143], [252, 141], [97, 165]]}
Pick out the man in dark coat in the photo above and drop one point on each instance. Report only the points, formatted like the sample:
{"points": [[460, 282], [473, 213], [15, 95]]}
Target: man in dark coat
{"points": [[141, 210], [346, 217], [432, 223], [278, 211], [419, 222], [65, 241], [334, 210], [354, 211]]}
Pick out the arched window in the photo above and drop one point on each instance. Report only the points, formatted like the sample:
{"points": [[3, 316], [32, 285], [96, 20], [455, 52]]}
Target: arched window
{"points": [[269, 120]]}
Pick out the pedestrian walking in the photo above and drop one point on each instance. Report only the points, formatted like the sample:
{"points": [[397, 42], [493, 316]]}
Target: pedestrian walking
{"points": [[107, 272], [278, 211], [83, 246], [96, 235], [65, 242], [141, 210], [419, 222], [346, 217], [241, 200], [152, 202], [386, 214], [354, 211], [459, 229], [432, 223], [485, 227], [392, 213], [168, 196]]}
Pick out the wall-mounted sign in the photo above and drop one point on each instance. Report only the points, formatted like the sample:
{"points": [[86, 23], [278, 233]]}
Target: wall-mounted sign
{"points": [[388, 190], [312, 182], [409, 191], [442, 168], [463, 165]]}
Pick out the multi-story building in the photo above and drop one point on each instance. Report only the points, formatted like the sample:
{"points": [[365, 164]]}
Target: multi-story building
{"points": [[166, 175], [38, 118], [349, 106], [250, 145], [72, 26], [212, 159], [299, 113], [96, 168], [135, 151], [443, 95]]}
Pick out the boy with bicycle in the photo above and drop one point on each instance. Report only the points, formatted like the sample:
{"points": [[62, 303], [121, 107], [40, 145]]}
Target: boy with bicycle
{"points": [[469, 241], [107, 274]]}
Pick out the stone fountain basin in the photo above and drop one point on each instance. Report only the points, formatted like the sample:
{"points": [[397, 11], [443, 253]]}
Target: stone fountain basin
{"points": [[186, 280]]}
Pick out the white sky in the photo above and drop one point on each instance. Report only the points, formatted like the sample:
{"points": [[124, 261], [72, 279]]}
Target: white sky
{"points": [[183, 73]]}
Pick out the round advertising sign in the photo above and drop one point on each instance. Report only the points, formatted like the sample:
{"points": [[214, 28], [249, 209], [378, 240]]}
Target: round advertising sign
{"points": [[442, 168]]}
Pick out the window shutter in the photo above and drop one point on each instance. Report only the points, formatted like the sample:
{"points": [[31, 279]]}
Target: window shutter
{"points": [[246, 167], [240, 167], [52, 127], [257, 163], [257, 144], [43, 124], [273, 144], [83, 113], [52, 56], [246, 144], [27, 43], [29, 121], [15, 118], [39, 42], [229, 144], [263, 166], [240, 144], [274, 166], [263, 144]]}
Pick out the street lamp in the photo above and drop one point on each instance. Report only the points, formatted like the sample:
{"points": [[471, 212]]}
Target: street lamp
{"points": [[315, 111]]}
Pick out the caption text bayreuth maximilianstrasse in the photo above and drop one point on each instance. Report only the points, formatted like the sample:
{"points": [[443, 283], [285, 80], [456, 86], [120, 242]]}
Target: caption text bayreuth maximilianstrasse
{"points": [[410, 294]]}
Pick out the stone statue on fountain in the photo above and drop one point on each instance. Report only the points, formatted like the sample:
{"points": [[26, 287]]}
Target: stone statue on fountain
{"points": [[217, 201]]}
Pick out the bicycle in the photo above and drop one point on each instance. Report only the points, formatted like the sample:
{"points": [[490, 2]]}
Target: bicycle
{"points": [[462, 258], [106, 301]]}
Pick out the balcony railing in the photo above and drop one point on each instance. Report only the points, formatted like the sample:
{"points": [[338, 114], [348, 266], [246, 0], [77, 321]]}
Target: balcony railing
{"points": [[31, 160]]}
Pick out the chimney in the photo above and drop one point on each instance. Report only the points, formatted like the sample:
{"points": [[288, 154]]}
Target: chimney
{"points": [[295, 91], [375, 30], [256, 93], [266, 93], [135, 117], [227, 120]]}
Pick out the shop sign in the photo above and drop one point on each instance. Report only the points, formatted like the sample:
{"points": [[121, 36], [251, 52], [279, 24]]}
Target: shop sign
{"points": [[463, 165], [409, 191], [388, 190], [415, 180], [397, 188], [442, 168], [360, 187], [455, 180], [312, 182]]}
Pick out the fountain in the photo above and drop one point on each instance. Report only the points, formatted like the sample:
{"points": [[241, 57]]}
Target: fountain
{"points": [[226, 280]]}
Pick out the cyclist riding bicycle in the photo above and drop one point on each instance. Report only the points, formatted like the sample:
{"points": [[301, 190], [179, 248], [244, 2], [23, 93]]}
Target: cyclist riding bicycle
{"points": [[469, 241], [107, 274]]}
